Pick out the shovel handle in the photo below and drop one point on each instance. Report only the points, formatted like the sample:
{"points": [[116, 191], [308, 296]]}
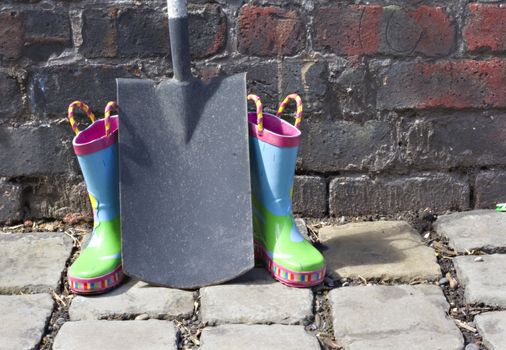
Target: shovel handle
{"points": [[82, 106], [298, 101], [260, 113], [111, 106], [179, 39]]}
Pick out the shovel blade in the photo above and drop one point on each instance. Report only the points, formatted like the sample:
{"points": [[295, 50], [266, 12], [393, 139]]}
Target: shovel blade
{"points": [[185, 181]]}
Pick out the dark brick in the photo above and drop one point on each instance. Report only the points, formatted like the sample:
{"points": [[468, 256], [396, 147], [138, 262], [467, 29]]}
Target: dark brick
{"points": [[10, 101], [456, 140], [52, 89], [310, 196], [262, 80], [11, 207], [26, 151], [362, 195], [490, 189], [56, 196], [392, 30], [47, 32], [446, 84], [270, 31], [142, 33], [11, 34], [208, 30], [134, 32], [351, 90], [308, 78], [99, 33], [336, 145], [486, 28]]}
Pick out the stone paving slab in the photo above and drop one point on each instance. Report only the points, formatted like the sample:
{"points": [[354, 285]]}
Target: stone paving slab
{"points": [[32, 261], [477, 229], [133, 298], [393, 317], [483, 281], [255, 298], [387, 250], [23, 319], [492, 327], [117, 335], [256, 337]]}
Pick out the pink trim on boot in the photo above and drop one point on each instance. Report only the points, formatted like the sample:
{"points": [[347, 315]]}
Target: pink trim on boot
{"points": [[276, 131]]}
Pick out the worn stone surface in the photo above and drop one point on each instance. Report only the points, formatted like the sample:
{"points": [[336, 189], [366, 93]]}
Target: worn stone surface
{"points": [[10, 104], [56, 196], [476, 229], [361, 195], [310, 196], [393, 317], [450, 140], [387, 250], [51, 89], [490, 189], [483, 281], [255, 298], [393, 30], [11, 207], [486, 28], [11, 35], [133, 298], [32, 261], [492, 327], [117, 335], [47, 33], [23, 319], [270, 31], [35, 150], [253, 337], [445, 84], [336, 145]]}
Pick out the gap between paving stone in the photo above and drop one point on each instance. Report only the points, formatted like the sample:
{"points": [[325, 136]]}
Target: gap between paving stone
{"points": [[62, 296]]}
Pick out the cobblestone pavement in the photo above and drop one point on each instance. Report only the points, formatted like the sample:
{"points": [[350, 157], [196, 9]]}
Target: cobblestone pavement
{"points": [[388, 286]]}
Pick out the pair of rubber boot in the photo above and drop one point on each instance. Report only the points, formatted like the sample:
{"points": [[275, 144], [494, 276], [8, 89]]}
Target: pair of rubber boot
{"points": [[274, 145], [98, 267], [273, 149]]}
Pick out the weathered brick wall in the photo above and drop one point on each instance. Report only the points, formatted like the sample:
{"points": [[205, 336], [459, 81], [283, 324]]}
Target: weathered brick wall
{"points": [[405, 100]]}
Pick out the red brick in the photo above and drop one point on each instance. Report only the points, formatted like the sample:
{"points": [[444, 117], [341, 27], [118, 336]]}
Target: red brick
{"points": [[351, 30], [11, 34], [437, 32], [486, 28], [446, 84], [373, 29], [270, 31]]}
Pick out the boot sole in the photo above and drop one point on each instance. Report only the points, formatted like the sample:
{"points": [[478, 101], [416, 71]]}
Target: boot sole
{"points": [[286, 276], [96, 285]]}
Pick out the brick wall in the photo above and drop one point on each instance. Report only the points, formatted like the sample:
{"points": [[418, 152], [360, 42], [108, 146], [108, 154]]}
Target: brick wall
{"points": [[405, 100]]}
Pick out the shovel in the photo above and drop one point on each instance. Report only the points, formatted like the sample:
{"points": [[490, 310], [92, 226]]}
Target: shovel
{"points": [[184, 173]]}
